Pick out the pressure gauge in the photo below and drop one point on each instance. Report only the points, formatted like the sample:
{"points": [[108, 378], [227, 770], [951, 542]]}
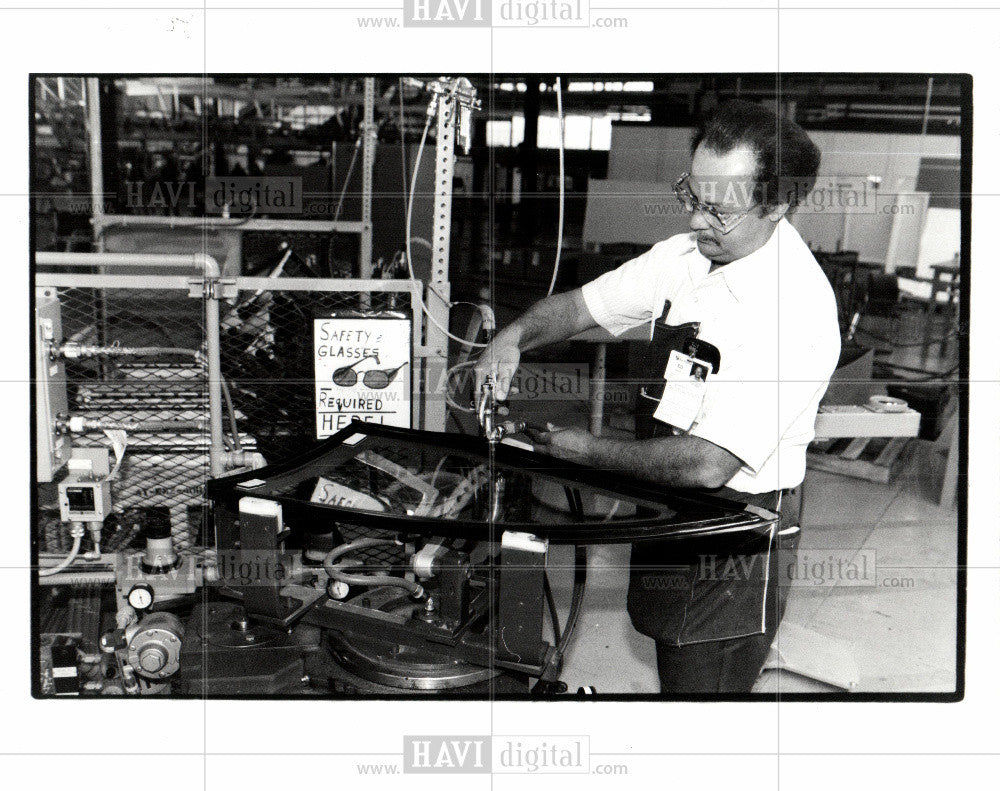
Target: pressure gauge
{"points": [[141, 597], [338, 590]]}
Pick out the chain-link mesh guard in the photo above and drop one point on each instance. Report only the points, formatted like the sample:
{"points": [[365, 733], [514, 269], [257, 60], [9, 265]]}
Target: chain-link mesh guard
{"points": [[267, 361], [162, 475]]}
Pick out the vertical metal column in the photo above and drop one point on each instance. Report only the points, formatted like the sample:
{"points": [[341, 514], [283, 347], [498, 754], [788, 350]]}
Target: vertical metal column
{"points": [[369, 140], [96, 153], [92, 94], [439, 288], [597, 385], [927, 105], [213, 340], [444, 170]]}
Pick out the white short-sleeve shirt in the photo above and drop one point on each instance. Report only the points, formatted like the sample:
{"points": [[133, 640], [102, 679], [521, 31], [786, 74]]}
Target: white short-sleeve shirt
{"points": [[772, 316]]}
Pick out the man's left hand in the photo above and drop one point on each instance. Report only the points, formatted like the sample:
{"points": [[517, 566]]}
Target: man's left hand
{"points": [[571, 444]]}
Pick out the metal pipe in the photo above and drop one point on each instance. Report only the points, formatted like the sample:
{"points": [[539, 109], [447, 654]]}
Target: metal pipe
{"points": [[244, 458], [220, 223], [79, 578], [166, 282], [125, 283], [77, 424], [212, 350], [927, 105], [96, 152], [206, 263]]}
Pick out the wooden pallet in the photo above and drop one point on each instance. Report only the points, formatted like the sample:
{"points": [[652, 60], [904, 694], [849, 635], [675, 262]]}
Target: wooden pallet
{"points": [[871, 458]]}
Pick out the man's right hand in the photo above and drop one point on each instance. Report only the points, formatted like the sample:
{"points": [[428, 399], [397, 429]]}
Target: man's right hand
{"points": [[500, 359], [553, 319]]}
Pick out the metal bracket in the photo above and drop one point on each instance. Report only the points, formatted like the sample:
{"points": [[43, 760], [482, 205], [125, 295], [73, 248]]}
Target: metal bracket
{"points": [[212, 288], [518, 630]]}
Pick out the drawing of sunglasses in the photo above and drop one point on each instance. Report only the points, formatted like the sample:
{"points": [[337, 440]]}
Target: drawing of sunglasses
{"points": [[374, 379]]}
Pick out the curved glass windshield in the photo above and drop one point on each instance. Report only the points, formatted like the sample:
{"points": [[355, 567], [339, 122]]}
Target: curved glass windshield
{"points": [[403, 474]]}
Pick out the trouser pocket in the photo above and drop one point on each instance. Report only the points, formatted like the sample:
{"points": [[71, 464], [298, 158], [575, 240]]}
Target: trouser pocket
{"points": [[707, 596]]}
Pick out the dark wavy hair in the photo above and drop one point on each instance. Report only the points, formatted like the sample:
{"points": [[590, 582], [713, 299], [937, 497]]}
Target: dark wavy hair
{"points": [[787, 160]]}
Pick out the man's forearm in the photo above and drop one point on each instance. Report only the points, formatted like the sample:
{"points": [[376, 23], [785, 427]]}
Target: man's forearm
{"points": [[554, 319], [551, 320], [671, 461]]}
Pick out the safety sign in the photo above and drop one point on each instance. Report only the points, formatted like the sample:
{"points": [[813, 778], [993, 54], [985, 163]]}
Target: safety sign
{"points": [[363, 371]]}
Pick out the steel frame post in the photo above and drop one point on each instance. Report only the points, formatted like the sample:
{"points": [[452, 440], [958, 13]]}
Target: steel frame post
{"points": [[369, 141], [439, 289], [96, 153]]}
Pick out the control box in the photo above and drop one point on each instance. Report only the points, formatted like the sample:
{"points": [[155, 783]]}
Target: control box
{"points": [[85, 494], [84, 501]]}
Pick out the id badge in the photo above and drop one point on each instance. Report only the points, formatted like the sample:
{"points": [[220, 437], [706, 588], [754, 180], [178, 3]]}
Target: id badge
{"points": [[684, 391]]}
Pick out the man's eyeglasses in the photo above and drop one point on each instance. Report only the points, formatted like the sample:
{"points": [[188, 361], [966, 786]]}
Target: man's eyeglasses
{"points": [[721, 221]]}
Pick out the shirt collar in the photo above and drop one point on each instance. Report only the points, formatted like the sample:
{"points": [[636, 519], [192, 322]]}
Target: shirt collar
{"points": [[745, 276]]}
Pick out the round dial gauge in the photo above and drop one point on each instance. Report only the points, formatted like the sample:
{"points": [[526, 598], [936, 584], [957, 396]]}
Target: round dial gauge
{"points": [[141, 597]]}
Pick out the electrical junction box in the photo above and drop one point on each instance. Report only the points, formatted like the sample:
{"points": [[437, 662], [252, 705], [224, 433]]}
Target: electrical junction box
{"points": [[84, 501], [85, 495]]}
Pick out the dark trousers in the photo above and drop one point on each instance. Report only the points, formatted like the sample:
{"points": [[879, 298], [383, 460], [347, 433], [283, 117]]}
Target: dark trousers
{"points": [[732, 666]]}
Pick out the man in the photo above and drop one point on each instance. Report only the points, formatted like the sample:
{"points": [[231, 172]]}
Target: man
{"points": [[743, 297]]}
